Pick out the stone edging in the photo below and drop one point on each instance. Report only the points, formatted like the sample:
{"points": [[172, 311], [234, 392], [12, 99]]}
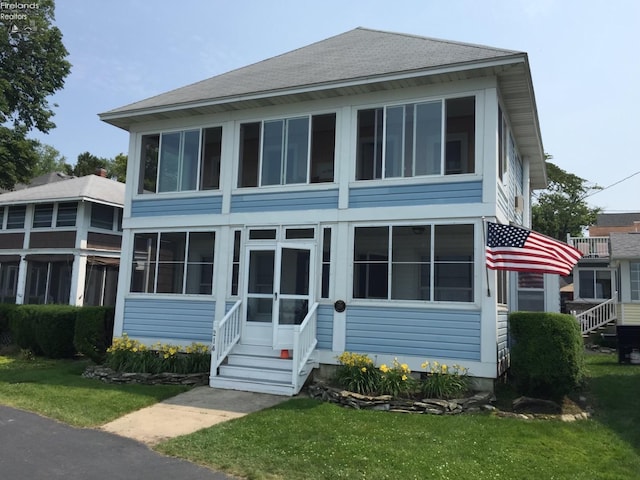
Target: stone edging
{"points": [[478, 402], [108, 375]]}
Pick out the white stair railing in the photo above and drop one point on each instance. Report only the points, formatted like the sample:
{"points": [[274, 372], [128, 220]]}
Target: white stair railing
{"points": [[304, 343], [226, 335], [598, 316]]}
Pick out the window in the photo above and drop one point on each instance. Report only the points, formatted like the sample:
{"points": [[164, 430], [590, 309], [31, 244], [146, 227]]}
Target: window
{"points": [[531, 291], [102, 216], [66, 214], [101, 283], [502, 144], [594, 284], [235, 264], [48, 282], [502, 287], [326, 261], [15, 216], [417, 262], [635, 280], [287, 151], [181, 161], [407, 140], [43, 215], [8, 281], [173, 262]]}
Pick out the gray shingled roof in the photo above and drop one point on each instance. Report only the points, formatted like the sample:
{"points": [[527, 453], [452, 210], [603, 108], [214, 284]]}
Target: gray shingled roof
{"points": [[625, 245], [356, 62], [90, 187], [357, 54], [617, 219]]}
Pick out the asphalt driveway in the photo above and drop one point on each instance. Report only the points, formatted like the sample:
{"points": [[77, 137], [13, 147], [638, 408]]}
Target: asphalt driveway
{"points": [[37, 448]]}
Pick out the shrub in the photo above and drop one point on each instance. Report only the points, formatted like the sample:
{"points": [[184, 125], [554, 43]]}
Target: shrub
{"points": [[547, 355], [94, 332], [54, 329], [6, 310], [357, 373], [22, 327], [127, 355], [440, 381]]}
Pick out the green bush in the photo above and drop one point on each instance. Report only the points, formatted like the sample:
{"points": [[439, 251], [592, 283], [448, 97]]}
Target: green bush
{"points": [[547, 355], [22, 327], [54, 329], [5, 315], [357, 373], [94, 332]]}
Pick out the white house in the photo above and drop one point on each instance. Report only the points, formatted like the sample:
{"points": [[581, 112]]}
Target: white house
{"points": [[60, 241], [330, 199]]}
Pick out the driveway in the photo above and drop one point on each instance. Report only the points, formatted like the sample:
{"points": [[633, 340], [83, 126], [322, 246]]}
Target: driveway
{"points": [[37, 448]]}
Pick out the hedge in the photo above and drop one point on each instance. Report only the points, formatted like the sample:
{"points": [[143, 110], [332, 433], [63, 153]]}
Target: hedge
{"points": [[94, 332], [547, 353], [54, 329]]}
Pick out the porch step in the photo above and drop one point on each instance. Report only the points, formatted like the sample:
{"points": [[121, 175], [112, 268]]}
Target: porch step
{"points": [[256, 373], [259, 386], [259, 361]]}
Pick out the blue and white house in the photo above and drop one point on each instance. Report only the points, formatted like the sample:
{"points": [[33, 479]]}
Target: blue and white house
{"points": [[330, 199]]}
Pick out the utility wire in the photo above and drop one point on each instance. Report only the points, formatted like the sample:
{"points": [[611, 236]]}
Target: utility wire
{"points": [[612, 185]]}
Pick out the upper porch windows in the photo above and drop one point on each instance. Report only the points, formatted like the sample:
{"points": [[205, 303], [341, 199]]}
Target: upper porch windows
{"points": [[287, 151], [181, 161], [407, 140]]}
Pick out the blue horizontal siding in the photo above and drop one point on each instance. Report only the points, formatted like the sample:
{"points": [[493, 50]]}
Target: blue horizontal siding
{"points": [[503, 337], [408, 195], [324, 333], [282, 201], [178, 320], [154, 207], [425, 333]]}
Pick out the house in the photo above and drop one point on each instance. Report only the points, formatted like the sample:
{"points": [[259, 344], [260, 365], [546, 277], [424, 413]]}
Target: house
{"points": [[606, 277], [331, 199], [60, 241]]}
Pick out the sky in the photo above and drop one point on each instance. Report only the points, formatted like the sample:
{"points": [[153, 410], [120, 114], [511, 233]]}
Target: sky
{"points": [[583, 57]]}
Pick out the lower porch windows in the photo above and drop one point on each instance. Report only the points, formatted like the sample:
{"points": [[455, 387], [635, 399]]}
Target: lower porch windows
{"points": [[173, 262], [416, 262], [594, 284], [48, 282]]}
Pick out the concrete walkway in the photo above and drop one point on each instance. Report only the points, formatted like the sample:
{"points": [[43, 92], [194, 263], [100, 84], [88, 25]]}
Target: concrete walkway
{"points": [[198, 408]]}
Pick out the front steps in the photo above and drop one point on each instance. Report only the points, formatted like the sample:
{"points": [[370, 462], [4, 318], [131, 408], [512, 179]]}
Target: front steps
{"points": [[252, 368]]}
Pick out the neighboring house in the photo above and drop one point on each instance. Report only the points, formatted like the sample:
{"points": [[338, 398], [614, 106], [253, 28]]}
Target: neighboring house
{"points": [[605, 287], [330, 199], [60, 241]]}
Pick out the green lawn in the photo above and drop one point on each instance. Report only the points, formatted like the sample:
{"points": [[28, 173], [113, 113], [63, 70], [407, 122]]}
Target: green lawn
{"points": [[305, 439], [54, 388]]}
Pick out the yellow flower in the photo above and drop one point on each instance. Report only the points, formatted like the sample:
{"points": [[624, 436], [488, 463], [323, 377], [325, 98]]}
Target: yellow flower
{"points": [[405, 368], [444, 369], [384, 368], [134, 349], [425, 365], [363, 369], [404, 378]]}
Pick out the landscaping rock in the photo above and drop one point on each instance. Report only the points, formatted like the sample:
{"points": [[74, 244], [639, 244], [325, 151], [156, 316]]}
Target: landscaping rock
{"points": [[108, 375], [535, 405]]}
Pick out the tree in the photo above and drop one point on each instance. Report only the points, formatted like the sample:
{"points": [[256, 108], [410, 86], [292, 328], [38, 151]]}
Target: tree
{"points": [[33, 67], [49, 160], [88, 164], [561, 209], [119, 167]]}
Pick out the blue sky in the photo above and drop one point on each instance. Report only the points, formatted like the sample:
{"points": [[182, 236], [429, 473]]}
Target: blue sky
{"points": [[583, 57]]}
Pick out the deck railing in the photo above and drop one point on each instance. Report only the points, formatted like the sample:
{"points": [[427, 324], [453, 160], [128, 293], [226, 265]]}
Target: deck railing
{"points": [[598, 316], [226, 335], [590, 247], [304, 343]]}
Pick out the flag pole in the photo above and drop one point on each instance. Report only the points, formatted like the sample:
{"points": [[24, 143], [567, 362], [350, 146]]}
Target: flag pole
{"points": [[484, 245]]}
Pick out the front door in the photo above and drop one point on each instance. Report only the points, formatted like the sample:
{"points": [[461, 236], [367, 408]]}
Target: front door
{"points": [[279, 291]]}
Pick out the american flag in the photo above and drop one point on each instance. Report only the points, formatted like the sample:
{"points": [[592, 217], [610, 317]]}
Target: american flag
{"points": [[522, 250]]}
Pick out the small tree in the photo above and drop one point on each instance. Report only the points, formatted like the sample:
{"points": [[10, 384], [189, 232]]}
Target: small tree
{"points": [[561, 209]]}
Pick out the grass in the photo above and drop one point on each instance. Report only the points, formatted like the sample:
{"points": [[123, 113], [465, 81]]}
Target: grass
{"points": [[306, 439], [303, 438], [54, 388]]}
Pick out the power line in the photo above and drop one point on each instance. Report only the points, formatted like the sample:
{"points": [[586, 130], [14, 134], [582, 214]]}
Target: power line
{"points": [[612, 185]]}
